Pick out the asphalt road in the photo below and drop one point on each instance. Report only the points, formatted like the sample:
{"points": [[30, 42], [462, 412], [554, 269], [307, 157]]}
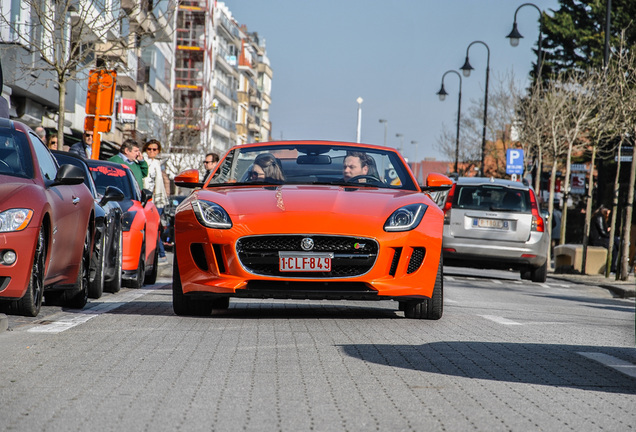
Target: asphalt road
{"points": [[506, 355]]}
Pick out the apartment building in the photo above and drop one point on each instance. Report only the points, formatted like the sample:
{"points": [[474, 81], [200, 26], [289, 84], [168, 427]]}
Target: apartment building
{"points": [[132, 37], [187, 72], [223, 87]]}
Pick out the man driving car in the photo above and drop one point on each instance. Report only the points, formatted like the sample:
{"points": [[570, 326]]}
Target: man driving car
{"points": [[356, 164]]}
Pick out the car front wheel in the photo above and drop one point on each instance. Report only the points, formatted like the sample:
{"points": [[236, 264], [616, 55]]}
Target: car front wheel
{"points": [[433, 308], [31, 302], [182, 304]]}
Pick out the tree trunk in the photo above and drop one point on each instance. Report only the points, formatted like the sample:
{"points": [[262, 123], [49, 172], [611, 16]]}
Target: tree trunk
{"points": [[588, 210], [61, 113], [610, 248], [566, 197], [551, 206], [622, 270]]}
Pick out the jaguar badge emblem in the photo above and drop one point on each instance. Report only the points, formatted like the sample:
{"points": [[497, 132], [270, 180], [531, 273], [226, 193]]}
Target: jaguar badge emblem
{"points": [[307, 244]]}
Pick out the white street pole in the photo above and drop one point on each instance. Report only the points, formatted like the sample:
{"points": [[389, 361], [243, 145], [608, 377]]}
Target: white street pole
{"points": [[359, 100]]}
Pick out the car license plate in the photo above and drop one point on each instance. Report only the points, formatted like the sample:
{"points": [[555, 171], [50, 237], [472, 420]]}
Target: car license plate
{"points": [[491, 223], [304, 262]]}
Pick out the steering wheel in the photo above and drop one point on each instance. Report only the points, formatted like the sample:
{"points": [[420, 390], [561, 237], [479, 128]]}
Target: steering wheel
{"points": [[371, 178]]}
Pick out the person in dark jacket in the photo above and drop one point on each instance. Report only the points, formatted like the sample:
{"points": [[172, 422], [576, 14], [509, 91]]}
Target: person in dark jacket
{"points": [[600, 233], [83, 148]]}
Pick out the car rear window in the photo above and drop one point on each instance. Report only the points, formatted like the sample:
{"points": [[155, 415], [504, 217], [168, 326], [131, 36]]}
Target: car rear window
{"points": [[492, 197]]}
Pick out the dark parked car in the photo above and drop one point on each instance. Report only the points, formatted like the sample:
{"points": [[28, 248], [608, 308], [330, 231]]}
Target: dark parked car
{"points": [[167, 220], [47, 221], [106, 261]]}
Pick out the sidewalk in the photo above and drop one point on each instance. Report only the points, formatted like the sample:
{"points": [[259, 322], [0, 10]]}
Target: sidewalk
{"points": [[622, 289]]}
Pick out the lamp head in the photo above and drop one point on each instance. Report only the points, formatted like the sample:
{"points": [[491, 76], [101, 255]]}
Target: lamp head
{"points": [[442, 93], [514, 35], [466, 68]]}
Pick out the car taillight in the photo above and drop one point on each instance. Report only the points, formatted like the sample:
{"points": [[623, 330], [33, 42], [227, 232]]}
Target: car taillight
{"points": [[448, 204], [537, 220]]}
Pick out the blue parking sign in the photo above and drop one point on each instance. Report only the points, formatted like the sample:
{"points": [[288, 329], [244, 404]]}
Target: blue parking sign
{"points": [[514, 161]]}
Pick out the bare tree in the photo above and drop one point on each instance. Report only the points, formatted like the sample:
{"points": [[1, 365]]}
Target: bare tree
{"points": [[68, 37], [577, 118], [622, 97]]}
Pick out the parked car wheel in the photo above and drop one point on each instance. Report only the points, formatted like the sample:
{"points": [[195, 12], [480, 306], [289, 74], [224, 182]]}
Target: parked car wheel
{"points": [[540, 274], [78, 296], [30, 303], [432, 308], [181, 304], [152, 277], [114, 285], [138, 282], [96, 285]]}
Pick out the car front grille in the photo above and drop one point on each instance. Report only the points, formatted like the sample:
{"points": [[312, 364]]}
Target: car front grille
{"points": [[352, 256]]}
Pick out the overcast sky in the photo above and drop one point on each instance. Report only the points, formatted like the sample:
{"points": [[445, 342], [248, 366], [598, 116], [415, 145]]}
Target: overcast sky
{"points": [[325, 54]]}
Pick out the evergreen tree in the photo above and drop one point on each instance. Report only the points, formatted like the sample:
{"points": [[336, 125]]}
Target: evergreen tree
{"points": [[575, 34]]}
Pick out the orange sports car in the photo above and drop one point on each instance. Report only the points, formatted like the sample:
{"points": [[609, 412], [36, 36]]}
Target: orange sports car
{"points": [[140, 225], [310, 220]]}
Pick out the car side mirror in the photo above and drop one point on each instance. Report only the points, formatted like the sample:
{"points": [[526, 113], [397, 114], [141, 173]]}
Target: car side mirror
{"points": [[146, 196], [436, 182], [69, 175], [188, 179], [111, 193]]}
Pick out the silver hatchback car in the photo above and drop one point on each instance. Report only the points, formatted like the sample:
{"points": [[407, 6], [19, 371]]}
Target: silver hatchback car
{"points": [[495, 223]]}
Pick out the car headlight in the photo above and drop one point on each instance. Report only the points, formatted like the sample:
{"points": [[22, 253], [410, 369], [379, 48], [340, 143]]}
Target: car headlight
{"points": [[211, 214], [129, 217], [405, 218], [15, 219]]}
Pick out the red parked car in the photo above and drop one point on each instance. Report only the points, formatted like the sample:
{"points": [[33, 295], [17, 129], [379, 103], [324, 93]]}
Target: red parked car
{"points": [[46, 225], [141, 222]]}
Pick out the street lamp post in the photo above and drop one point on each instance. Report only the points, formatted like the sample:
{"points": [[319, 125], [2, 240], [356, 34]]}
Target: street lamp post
{"points": [[401, 137], [515, 36], [415, 143], [466, 68], [386, 125], [359, 100], [442, 95]]}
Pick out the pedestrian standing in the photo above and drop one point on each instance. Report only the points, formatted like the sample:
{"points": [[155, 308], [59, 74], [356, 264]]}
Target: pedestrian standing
{"points": [[84, 148], [154, 183], [130, 155], [52, 144]]}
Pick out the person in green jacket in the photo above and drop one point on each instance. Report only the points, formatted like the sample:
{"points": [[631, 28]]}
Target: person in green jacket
{"points": [[130, 155]]}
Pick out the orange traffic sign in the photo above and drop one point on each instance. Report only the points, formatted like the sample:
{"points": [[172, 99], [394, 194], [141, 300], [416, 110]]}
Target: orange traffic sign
{"points": [[103, 124], [100, 98]]}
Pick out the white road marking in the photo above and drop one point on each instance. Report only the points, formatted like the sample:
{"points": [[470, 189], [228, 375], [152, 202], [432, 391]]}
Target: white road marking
{"points": [[71, 320], [500, 320], [615, 363], [498, 282]]}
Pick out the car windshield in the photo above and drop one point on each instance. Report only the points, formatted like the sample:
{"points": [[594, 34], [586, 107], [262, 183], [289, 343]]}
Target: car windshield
{"points": [[106, 175], [313, 164], [15, 154], [492, 197]]}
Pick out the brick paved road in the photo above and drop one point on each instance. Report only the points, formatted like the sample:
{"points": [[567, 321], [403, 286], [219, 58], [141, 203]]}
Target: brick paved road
{"points": [[505, 356]]}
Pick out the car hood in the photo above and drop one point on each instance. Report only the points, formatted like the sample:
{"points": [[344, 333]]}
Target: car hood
{"points": [[330, 205], [14, 191]]}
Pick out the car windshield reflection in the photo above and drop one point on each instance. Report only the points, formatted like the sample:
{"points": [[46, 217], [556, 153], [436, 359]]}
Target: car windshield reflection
{"points": [[315, 165]]}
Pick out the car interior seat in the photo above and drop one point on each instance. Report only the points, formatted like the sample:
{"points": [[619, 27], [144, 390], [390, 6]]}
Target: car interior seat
{"points": [[512, 201]]}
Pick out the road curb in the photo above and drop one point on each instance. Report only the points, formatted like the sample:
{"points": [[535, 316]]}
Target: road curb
{"points": [[4, 322]]}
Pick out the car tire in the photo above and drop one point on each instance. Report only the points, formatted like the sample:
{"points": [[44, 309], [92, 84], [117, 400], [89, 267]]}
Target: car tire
{"points": [[98, 262], [540, 274], [114, 285], [182, 305], [138, 282], [31, 302], [77, 297], [152, 277], [433, 308]]}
